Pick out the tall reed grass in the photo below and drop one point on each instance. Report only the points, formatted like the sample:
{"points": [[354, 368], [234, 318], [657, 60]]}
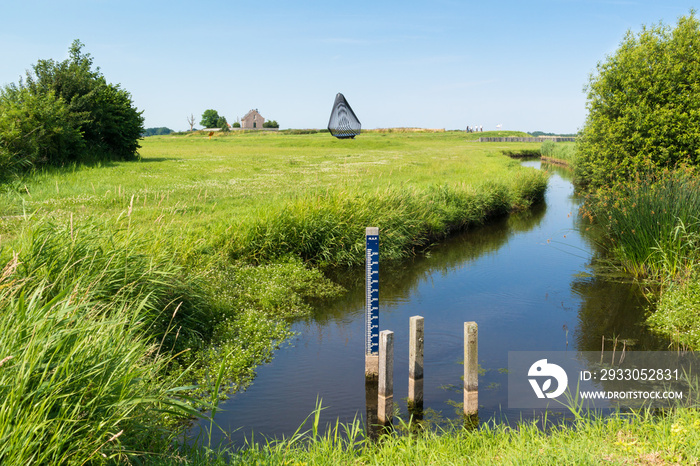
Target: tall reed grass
{"points": [[107, 343], [327, 228], [559, 151], [78, 381], [652, 223]]}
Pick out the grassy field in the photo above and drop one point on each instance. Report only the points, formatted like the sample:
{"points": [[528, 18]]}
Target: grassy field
{"points": [[194, 258]]}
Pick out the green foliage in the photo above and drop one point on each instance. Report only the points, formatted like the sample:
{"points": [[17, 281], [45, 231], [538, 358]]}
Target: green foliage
{"points": [[271, 124], [160, 131], [236, 124], [560, 151], [537, 134], [677, 315], [210, 118], [35, 129], [652, 223], [640, 437], [644, 105], [74, 383], [522, 153], [327, 228], [222, 123], [66, 112]]}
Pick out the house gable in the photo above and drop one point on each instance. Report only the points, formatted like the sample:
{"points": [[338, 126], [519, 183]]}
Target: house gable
{"points": [[252, 120]]}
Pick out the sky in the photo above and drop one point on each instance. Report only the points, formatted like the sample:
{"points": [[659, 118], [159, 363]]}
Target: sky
{"points": [[439, 64]]}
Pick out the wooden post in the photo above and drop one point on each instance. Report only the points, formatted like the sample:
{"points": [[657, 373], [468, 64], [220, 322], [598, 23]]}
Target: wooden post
{"points": [[385, 399], [471, 368], [415, 366], [371, 302]]}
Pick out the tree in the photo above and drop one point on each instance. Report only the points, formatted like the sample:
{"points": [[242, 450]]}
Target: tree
{"points": [[271, 124], [209, 118], [222, 123], [162, 130], [109, 122], [643, 105], [67, 112], [190, 121]]}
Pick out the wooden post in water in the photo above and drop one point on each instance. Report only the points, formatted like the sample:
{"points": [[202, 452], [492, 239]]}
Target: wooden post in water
{"points": [[471, 369], [371, 302], [415, 366], [385, 410]]}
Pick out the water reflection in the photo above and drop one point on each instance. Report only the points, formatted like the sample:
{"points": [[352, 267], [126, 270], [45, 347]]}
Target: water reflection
{"points": [[527, 280]]}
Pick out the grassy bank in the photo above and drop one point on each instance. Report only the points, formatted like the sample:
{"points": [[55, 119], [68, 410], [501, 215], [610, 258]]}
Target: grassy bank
{"points": [[652, 227], [563, 153], [193, 259], [633, 438]]}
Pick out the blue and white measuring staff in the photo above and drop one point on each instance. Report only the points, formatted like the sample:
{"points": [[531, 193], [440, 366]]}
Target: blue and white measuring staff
{"points": [[372, 291]]}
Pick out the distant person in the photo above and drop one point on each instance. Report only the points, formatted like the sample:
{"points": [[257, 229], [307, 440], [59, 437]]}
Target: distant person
{"points": [[481, 128]]}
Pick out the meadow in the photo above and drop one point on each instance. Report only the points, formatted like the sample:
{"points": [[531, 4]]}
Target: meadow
{"points": [[194, 259]]}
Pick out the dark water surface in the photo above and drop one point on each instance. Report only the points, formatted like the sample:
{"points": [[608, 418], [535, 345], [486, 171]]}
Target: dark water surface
{"points": [[527, 281]]}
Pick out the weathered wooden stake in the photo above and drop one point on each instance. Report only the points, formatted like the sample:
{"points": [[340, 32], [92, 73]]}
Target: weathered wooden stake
{"points": [[471, 368], [385, 399], [415, 365]]}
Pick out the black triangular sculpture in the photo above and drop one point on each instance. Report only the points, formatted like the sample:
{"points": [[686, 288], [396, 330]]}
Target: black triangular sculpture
{"points": [[343, 122]]}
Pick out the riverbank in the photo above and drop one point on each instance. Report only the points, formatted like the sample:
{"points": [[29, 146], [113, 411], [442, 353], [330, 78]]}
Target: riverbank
{"points": [[213, 243], [641, 438]]}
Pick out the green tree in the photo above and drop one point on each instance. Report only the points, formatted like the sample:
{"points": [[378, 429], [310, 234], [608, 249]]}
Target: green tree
{"points": [[222, 123], [643, 105], [66, 112], [271, 124], [109, 122], [209, 118]]}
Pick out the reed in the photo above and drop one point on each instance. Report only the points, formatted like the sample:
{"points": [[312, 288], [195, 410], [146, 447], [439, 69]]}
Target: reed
{"points": [[327, 228], [652, 223], [559, 151], [78, 382]]}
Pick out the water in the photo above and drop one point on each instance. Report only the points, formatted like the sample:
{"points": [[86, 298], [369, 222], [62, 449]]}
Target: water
{"points": [[527, 280]]}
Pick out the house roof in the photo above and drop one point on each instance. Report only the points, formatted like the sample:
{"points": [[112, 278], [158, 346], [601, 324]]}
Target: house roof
{"points": [[255, 110]]}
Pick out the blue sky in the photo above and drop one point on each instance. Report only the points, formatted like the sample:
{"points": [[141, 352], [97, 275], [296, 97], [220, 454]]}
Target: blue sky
{"points": [[439, 64]]}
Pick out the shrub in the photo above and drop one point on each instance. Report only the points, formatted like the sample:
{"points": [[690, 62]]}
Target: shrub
{"points": [[35, 129], [643, 105], [66, 112]]}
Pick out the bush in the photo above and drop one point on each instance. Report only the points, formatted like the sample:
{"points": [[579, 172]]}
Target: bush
{"points": [[63, 113], [35, 129], [644, 105]]}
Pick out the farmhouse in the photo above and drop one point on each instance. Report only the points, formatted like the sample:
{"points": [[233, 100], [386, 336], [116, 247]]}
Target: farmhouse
{"points": [[252, 120]]}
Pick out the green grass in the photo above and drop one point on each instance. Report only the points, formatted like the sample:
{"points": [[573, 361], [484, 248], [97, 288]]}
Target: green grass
{"points": [[189, 262], [652, 223], [670, 437], [652, 228], [561, 152]]}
